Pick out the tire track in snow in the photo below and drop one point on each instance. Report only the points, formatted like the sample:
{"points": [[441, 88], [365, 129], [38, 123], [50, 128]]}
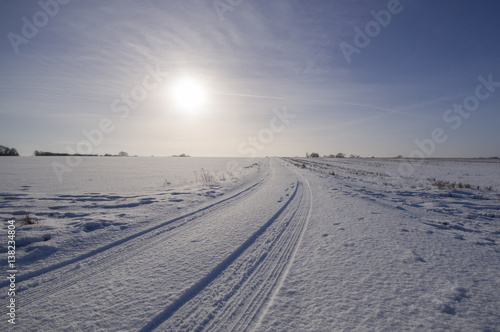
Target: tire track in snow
{"points": [[287, 269], [64, 274], [236, 293], [262, 290]]}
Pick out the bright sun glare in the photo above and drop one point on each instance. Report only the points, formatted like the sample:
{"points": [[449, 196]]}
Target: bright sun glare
{"points": [[189, 94]]}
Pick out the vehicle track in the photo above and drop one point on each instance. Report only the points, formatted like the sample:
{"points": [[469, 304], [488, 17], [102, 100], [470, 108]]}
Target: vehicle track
{"points": [[236, 294], [57, 277], [224, 283]]}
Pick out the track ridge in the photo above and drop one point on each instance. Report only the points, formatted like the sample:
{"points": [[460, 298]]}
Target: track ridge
{"points": [[281, 280], [201, 284], [236, 295], [259, 289]]}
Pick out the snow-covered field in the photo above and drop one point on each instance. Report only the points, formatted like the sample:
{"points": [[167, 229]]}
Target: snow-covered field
{"points": [[140, 244]]}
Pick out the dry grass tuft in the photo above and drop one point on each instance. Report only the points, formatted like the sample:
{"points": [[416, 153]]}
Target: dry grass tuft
{"points": [[29, 220]]}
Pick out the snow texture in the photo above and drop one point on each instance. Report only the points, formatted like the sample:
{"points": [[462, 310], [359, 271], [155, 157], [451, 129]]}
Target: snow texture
{"points": [[141, 244]]}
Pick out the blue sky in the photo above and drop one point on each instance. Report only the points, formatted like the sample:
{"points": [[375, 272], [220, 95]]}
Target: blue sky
{"points": [[254, 59]]}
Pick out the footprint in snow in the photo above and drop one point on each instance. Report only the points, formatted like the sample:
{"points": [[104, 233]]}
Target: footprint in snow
{"points": [[410, 256], [91, 226], [448, 298]]}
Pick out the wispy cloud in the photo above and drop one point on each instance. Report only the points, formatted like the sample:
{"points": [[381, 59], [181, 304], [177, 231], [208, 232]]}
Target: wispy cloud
{"points": [[263, 55]]}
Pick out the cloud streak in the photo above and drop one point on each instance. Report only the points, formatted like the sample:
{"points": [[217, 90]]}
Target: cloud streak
{"points": [[265, 54]]}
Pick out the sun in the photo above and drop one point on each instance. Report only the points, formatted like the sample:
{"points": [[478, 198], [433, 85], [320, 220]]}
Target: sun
{"points": [[189, 94]]}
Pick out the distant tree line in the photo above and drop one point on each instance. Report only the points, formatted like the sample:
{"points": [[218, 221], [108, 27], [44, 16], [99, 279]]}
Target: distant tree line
{"points": [[343, 155], [338, 155], [5, 151], [55, 154]]}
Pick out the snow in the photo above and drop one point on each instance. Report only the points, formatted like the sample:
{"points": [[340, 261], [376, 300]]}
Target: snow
{"points": [[275, 245], [394, 257]]}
